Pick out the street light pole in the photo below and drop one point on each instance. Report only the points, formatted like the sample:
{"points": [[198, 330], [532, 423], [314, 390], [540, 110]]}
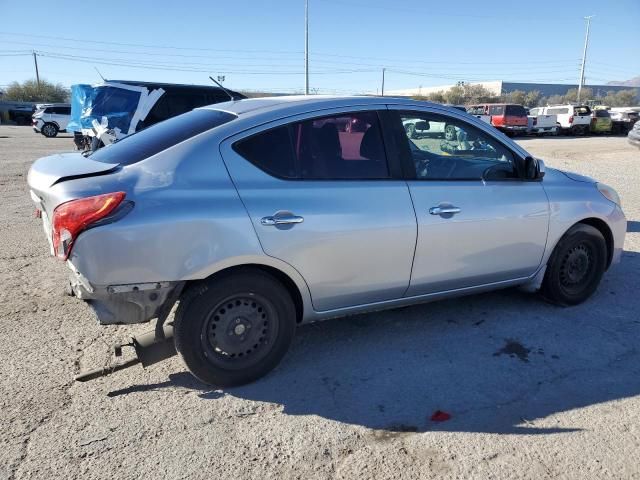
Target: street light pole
{"points": [[584, 56], [306, 47], [382, 89]]}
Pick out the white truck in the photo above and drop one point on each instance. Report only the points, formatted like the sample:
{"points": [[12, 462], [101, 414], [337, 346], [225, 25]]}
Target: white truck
{"points": [[539, 124], [573, 119]]}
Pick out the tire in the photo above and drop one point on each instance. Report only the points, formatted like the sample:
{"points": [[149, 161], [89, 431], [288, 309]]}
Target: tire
{"points": [[235, 328], [49, 130], [576, 266], [450, 133]]}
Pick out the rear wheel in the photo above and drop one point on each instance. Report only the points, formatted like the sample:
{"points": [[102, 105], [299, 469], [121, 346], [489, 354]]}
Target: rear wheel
{"points": [[576, 266], [234, 329], [49, 130]]}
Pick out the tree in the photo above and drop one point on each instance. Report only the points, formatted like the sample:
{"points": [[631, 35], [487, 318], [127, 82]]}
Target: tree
{"points": [[30, 91], [517, 96], [622, 98], [532, 99]]}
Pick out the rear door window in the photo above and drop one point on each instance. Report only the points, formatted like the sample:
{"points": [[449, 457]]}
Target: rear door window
{"points": [[342, 147], [557, 111]]}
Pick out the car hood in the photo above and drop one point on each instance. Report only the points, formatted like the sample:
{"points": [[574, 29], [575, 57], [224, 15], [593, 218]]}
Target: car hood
{"points": [[554, 174]]}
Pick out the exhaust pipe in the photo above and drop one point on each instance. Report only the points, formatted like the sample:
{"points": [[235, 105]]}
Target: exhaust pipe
{"points": [[150, 347]]}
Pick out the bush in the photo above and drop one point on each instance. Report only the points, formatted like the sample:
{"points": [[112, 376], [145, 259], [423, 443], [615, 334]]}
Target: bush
{"points": [[30, 91]]}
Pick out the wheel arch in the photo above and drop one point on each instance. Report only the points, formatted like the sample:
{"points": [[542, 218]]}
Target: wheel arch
{"points": [[285, 279], [606, 232]]}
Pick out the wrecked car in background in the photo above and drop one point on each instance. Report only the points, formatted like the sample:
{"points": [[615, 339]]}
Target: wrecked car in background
{"points": [[109, 111]]}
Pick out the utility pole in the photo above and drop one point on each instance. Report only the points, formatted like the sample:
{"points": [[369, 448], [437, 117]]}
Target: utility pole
{"points": [[584, 56], [382, 90], [35, 61], [306, 47]]}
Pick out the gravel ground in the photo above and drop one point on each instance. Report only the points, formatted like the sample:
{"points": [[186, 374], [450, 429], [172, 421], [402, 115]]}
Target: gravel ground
{"points": [[535, 391]]}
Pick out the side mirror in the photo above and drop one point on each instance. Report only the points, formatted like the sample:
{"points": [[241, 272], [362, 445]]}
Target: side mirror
{"points": [[422, 125], [533, 168], [540, 169]]}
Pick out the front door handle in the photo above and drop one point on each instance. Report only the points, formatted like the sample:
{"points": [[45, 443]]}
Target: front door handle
{"points": [[451, 210], [287, 219]]}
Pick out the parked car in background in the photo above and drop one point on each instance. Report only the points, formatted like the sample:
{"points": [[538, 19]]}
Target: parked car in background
{"points": [[600, 121], [509, 118], [540, 124], [50, 119], [478, 111], [634, 135], [261, 214], [573, 119], [21, 115], [109, 111], [623, 119]]}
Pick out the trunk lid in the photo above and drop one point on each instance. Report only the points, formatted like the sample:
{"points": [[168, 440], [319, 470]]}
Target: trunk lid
{"points": [[47, 171]]}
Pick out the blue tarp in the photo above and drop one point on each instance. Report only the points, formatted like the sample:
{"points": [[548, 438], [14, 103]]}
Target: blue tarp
{"points": [[90, 103]]}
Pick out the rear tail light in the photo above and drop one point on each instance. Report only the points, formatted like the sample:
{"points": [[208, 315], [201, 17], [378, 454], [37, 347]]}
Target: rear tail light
{"points": [[75, 216], [571, 119]]}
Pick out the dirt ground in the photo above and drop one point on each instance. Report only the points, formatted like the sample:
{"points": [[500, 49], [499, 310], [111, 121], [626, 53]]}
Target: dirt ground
{"points": [[535, 391]]}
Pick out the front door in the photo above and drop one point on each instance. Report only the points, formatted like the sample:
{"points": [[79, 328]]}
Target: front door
{"points": [[324, 197], [478, 222]]}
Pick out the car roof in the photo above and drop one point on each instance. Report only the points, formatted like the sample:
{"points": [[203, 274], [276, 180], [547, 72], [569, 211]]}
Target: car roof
{"points": [[251, 106]]}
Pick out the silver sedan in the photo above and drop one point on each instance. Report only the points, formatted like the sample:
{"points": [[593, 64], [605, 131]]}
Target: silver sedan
{"points": [[258, 215]]}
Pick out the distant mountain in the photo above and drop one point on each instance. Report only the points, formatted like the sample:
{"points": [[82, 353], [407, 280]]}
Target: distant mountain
{"points": [[632, 82]]}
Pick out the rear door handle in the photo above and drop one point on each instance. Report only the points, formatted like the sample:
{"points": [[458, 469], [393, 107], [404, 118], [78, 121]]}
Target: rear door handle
{"points": [[281, 220], [444, 210]]}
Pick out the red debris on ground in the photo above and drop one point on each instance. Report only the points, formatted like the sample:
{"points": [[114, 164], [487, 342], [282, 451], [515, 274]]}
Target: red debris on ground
{"points": [[440, 416]]}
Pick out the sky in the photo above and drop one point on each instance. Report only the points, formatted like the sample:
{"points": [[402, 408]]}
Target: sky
{"points": [[259, 45]]}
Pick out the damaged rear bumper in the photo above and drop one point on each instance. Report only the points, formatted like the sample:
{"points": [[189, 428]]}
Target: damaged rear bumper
{"points": [[125, 304]]}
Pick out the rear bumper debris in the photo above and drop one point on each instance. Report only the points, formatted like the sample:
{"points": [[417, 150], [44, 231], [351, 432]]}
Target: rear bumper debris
{"points": [[125, 304]]}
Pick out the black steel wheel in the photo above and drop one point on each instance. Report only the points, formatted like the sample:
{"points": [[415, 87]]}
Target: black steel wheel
{"points": [[576, 266], [235, 328]]}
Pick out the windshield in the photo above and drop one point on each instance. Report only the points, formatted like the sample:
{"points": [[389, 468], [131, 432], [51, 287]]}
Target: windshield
{"points": [[161, 136]]}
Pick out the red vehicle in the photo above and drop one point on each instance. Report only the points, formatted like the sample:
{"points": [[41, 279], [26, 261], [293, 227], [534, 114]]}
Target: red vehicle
{"points": [[507, 117]]}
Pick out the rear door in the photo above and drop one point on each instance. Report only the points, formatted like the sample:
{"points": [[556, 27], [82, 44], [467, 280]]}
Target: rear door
{"points": [[325, 196], [472, 230]]}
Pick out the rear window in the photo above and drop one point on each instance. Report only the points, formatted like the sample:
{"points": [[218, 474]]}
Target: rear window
{"points": [[160, 136], [557, 111], [582, 111], [535, 111], [516, 111], [496, 110], [602, 114]]}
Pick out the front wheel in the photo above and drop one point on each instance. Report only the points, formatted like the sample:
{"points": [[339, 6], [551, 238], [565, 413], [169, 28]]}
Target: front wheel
{"points": [[234, 329], [576, 266]]}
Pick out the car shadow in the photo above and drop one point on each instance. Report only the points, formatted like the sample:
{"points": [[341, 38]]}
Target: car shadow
{"points": [[503, 362]]}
